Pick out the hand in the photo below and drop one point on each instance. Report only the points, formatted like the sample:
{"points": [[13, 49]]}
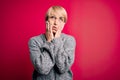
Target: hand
{"points": [[49, 34], [58, 33]]}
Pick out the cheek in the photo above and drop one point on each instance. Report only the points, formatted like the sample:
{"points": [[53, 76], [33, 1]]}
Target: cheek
{"points": [[50, 21], [62, 26]]}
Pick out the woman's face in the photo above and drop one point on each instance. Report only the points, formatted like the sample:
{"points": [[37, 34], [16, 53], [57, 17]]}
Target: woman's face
{"points": [[56, 21]]}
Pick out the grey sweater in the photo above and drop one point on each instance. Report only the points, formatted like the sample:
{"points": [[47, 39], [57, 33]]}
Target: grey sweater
{"points": [[52, 60]]}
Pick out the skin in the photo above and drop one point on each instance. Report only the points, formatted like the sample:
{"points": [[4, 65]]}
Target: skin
{"points": [[54, 26]]}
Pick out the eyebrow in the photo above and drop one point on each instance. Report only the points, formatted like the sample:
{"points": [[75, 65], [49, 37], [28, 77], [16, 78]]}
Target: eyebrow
{"points": [[55, 16]]}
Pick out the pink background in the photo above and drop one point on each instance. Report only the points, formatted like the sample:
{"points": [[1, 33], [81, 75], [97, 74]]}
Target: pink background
{"points": [[94, 23]]}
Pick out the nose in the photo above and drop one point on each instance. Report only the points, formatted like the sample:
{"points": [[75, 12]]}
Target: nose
{"points": [[56, 22]]}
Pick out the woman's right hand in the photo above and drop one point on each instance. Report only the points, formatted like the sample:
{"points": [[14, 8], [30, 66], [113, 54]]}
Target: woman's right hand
{"points": [[49, 34]]}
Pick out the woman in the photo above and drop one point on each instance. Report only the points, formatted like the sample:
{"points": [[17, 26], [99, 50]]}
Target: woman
{"points": [[52, 53]]}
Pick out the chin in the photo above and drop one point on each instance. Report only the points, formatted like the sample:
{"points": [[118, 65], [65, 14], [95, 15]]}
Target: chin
{"points": [[54, 32]]}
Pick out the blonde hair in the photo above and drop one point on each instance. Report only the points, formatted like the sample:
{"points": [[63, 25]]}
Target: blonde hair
{"points": [[56, 9]]}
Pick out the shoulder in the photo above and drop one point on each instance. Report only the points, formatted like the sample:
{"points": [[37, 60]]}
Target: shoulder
{"points": [[36, 37], [68, 37], [69, 40]]}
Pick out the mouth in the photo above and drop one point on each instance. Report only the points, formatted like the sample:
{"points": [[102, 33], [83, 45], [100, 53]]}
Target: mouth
{"points": [[54, 28]]}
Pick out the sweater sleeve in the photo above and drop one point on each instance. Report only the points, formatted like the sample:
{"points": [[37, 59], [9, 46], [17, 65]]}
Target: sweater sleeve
{"points": [[65, 54], [41, 56]]}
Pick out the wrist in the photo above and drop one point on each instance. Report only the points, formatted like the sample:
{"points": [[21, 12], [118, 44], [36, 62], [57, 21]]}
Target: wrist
{"points": [[57, 42], [49, 40]]}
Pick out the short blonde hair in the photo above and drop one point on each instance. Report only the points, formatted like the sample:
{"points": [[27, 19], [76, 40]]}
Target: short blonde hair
{"points": [[56, 9]]}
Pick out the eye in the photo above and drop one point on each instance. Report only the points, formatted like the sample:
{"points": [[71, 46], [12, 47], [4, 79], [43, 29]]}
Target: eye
{"points": [[61, 18], [52, 17]]}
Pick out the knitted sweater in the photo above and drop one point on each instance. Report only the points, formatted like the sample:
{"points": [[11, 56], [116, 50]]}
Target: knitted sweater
{"points": [[52, 60]]}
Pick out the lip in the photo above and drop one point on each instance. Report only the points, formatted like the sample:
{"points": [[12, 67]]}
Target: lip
{"points": [[54, 28]]}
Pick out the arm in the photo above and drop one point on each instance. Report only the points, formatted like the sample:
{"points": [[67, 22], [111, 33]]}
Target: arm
{"points": [[42, 56], [65, 54]]}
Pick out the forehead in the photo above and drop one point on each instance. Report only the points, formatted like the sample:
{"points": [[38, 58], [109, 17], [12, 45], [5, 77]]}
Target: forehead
{"points": [[56, 14]]}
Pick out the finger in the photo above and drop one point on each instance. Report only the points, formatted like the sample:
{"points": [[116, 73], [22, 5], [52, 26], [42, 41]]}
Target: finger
{"points": [[59, 30], [50, 27], [51, 31], [58, 33], [62, 26], [47, 27]]}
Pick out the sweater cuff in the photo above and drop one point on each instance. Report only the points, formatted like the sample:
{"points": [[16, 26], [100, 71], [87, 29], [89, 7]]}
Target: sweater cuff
{"points": [[57, 42], [48, 45]]}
